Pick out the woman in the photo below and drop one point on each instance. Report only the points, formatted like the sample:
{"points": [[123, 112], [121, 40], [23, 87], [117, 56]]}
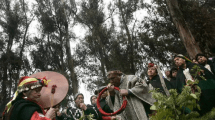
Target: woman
{"points": [[24, 105]]}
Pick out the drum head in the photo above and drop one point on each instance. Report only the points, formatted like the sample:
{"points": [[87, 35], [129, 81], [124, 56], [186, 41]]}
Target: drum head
{"points": [[60, 91]]}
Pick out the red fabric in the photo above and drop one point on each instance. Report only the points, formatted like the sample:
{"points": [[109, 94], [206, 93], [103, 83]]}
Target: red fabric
{"points": [[107, 115], [150, 64], [36, 116], [22, 78]]}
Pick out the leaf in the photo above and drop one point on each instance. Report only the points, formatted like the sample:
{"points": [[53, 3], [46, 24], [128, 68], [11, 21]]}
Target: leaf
{"points": [[153, 107], [193, 95]]}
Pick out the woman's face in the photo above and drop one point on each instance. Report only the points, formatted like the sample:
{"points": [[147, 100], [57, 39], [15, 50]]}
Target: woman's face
{"points": [[33, 94]]}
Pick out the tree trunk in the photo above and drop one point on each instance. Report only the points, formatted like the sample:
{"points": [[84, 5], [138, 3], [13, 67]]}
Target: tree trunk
{"points": [[130, 43], [184, 32], [70, 62]]}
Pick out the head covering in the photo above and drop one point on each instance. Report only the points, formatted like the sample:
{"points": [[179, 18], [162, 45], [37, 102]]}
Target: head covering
{"points": [[76, 95], [99, 90], [28, 83], [114, 72], [200, 54], [183, 57], [151, 65]]}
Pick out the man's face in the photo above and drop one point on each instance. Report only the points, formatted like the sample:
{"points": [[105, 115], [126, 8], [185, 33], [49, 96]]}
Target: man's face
{"points": [[79, 99], [179, 61], [94, 100], [114, 79], [174, 73], [152, 71], [167, 73], [202, 60]]}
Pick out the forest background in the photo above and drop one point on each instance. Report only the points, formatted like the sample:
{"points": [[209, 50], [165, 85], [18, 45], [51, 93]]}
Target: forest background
{"points": [[84, 39]]}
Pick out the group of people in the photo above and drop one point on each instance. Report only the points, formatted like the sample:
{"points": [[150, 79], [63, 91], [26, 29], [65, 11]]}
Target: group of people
{"points": [[24, 105]]}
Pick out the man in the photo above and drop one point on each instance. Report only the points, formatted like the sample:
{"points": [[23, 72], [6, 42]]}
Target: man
{"points": [[207, 86], [154, 78], [136, 92], [202, 60], [167, 73], [76, 113]]}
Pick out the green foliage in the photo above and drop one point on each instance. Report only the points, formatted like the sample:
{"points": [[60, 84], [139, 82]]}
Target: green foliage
{"points": [[89, 117], [181, 106]]}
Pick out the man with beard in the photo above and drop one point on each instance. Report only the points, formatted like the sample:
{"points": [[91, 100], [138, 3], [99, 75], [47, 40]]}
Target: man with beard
{"points": [[202, 60], [80, 108], [207, 86], [136, 91]]}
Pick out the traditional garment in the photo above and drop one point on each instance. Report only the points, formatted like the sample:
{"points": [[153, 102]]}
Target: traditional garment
{"points": [[24, 109], [156, 83], [76, 113], [207, 97], [134, 109], [173, 83]]}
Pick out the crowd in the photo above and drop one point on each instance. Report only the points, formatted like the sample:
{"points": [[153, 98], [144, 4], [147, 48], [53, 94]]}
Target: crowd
{"points": [[24, 105]]}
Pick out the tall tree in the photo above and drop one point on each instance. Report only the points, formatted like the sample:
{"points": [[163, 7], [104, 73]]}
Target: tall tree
{"points": [[54, 45], [185, 34]]}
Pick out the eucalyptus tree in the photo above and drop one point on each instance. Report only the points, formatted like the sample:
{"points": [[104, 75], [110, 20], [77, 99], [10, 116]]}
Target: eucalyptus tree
{"points": [[193, 20], [96, 43], [14, 24], [53, 50]]}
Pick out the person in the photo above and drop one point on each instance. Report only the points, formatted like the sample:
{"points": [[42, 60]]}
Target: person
{"points": [[202, 60], [136, 91], [186, 72], [173, 73], [154, 79], [24, 105], [93, 100], [167, 73], [59, 116], [76, 112], [103, 102]]}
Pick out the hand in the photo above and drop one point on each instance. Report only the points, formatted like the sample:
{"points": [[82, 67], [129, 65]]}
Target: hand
{"points": [[113, 117], [110, 87], [83, 106], [50, 113], [123, 92], [58, 113]]}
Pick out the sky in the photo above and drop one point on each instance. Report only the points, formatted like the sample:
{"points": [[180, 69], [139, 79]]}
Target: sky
{"points": [[79, 31]]}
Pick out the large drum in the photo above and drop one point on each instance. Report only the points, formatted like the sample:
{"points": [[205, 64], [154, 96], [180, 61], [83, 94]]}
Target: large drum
{"points": [[48, 99]]}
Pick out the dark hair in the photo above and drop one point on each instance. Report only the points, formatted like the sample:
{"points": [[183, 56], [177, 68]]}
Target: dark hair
{"points": [[171, 71], [200, 54]]}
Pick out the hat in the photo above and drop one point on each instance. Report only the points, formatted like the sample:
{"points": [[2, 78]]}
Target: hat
{"points": [[76, 95], [151, 65], [28, 83], [114, 72], [199, 54], [99, 90], [183, 57]]}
